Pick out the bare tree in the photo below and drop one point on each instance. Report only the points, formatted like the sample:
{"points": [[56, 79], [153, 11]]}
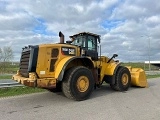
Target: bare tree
{"points": [[6, 55]]}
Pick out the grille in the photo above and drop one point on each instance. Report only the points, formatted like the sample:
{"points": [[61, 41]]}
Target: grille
{"points": [[54, 58], [55, 53], [52, 63], [24, 62]]}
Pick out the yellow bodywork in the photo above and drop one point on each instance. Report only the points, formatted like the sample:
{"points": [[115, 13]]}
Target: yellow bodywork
{"points": [[138, 77], [45, 78], [106, 68], [60, 65], [31, 81]]}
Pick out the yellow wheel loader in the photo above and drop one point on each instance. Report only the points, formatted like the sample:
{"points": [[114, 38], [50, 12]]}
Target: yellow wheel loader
{"points": [[75, 67]]}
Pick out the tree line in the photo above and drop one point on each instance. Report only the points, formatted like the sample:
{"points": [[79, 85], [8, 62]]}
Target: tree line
{"points": [[6, 55]]}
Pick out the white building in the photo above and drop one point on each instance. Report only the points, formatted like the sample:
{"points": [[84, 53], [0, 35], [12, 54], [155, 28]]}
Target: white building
{"points": [[155, 63]]}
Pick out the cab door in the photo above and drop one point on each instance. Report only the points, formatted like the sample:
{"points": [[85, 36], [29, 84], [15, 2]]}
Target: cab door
{"points": [[91, 47]]}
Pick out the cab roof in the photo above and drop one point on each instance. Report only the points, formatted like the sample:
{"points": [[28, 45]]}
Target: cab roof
{"points": [[82, 33]]}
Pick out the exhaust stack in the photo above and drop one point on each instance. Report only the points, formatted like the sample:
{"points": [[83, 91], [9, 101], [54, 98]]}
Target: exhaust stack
{"points": [[61, 37]]}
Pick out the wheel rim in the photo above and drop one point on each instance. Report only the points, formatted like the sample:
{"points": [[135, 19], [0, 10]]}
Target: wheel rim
{"points": [[124, 79], [82, 83]]}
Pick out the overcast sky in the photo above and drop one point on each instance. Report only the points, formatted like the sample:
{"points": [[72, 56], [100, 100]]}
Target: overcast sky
{"points": [[125, 26]]}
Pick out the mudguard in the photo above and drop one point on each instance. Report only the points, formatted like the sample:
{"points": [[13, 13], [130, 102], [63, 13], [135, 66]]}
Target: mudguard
{"points": [[61, 67]]}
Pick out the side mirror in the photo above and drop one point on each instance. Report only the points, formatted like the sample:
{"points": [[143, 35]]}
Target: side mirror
{"points": [[115, 55]]}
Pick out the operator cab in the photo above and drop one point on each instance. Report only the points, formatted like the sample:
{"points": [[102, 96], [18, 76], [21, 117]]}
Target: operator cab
{"points": [[88, 44]]}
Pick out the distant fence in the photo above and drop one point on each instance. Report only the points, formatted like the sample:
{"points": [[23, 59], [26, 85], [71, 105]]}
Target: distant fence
{"points": [[10, 84]]}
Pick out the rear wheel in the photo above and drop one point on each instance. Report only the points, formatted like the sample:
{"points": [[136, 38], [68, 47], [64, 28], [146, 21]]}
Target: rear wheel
{"points": [[122, 79], [78, 83]]}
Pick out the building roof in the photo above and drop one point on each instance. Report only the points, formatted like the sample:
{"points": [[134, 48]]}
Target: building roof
{"points": [[155, 63]]}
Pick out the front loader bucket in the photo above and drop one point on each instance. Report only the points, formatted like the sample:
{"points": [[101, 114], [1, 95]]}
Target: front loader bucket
{"points": [[138, 77]]}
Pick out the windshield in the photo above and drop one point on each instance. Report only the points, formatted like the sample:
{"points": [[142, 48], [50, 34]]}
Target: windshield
{"points": [[79, 40]]}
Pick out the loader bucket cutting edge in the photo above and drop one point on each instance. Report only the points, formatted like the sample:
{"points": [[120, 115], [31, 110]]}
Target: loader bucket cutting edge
{"points": [[138, 77]]}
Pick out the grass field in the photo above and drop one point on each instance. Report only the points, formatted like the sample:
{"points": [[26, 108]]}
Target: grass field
{"points": [[153, 76], [8, 68], [140, 65], [19, 91], [2, 77]]}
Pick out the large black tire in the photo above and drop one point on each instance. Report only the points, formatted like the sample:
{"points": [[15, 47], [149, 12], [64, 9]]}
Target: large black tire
{"points": [[78, 83], [122, 79]]}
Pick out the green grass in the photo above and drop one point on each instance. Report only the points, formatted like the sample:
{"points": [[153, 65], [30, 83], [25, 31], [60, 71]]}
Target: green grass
{"points": [[2, 77], [9, 68], [153, 76], [4, 92], [12, 70], [140, 65], [134, 65]]}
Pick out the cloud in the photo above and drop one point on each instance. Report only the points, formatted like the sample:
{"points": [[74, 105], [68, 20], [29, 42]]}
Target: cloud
{"points": [[121, 23]]}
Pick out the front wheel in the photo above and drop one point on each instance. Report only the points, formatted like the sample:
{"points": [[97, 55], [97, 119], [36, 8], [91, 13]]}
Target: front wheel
{"points": [[78, 83], [122, 79]]}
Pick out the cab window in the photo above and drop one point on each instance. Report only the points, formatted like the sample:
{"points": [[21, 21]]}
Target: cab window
{"points": [[91, 43], [79, 40]]}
